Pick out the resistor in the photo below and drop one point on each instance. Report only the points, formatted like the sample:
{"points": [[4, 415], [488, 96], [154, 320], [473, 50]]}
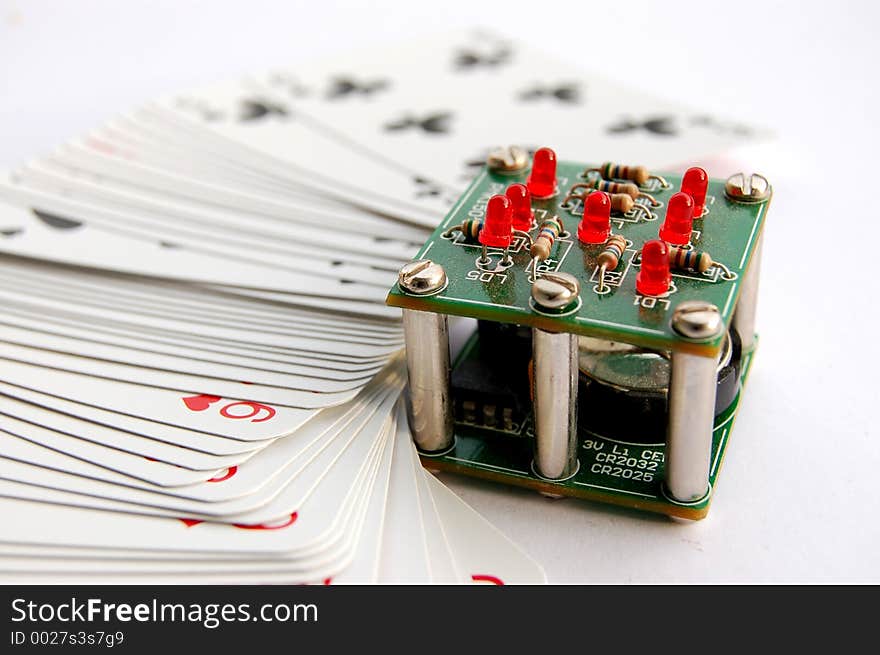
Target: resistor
{"points": [[638, 174], [696, 260], [607, 186], [542, 245], [620, 202], [470, 229], [610, 257]]}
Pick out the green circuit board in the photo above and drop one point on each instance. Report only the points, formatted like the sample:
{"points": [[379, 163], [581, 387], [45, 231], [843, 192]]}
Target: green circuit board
{"points": [[728, 231], [627, 473]]}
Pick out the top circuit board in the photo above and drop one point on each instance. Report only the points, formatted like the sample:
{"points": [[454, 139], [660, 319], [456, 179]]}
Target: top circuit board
{"points": [[729, 231]]}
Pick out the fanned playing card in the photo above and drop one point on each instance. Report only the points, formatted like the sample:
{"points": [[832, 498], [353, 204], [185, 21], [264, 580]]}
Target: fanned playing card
{"points": [[196, 358]]}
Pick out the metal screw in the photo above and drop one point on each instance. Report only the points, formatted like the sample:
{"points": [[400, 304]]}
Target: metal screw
{"points": [[421, 277], [555, 290], [508, 159], [747, 188], [697, 319]]}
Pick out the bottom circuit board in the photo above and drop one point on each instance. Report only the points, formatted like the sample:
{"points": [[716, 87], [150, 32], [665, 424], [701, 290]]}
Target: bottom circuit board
{"points": [[624, 473]]}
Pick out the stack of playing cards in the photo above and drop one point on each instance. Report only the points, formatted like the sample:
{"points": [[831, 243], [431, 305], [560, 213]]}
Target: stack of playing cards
{"points": [[199, 379]]}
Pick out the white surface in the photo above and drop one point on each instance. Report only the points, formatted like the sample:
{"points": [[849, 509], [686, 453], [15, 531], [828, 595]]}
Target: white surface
{"points": [[798, 498]]}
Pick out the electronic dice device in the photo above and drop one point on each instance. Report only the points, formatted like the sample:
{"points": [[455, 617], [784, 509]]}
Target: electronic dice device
{"points": [[615, 314]]}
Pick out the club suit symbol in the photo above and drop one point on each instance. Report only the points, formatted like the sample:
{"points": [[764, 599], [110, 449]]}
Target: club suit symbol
{"points": [[564, 93], [254, 110], [467, 59], [656, 125], [433, 123], [347, 86]]}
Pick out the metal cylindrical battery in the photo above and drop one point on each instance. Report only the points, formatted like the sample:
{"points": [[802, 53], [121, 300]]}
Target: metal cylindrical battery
{"points": [[746, 306], [427, 364], [692, 387], [555, 379]]}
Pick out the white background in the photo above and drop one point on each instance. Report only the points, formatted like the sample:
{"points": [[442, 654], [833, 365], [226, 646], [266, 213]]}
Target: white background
{"points": [[798, 498]]}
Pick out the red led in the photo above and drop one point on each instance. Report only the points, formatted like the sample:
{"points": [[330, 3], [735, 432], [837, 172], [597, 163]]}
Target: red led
{"points": [[695, 183], [595, 226], [654, 277], [498, 226], [520, 206], [676, 229], [542, 180]]}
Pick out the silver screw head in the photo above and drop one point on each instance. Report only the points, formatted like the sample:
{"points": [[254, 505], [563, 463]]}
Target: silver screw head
{"points": [[421, 277], [697, 320], [747, 188], [555, 290], [508, 159]]}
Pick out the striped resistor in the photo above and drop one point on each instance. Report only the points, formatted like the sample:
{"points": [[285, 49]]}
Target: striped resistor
{"points": [[620, 202], [628, 188], [695, 260], [470, 229], [638, 174], [610, 257], [542, 245]]}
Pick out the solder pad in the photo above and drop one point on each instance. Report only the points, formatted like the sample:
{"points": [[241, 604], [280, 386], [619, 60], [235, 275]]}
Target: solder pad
{"points": [[615, 472]]}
